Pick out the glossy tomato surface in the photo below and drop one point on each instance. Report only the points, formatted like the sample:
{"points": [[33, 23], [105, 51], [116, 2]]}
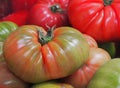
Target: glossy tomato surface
{"points": [[35, 62], [84, 74], [98, 18], [8, 79], [48, 13], [6, 27], [107, 76], [52, 85]]}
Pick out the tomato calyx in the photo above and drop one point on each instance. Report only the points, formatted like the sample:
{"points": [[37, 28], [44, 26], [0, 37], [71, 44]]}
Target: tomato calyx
{"points": [[43, 39], [107, 2], [56, 8]]}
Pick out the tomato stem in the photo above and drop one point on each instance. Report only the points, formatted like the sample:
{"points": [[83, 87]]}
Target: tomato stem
{"points": [[56, 8], [107, 2], [43, 39]]}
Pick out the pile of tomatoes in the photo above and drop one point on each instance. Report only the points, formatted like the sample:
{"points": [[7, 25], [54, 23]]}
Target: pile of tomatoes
{"points": [[59, 43]]}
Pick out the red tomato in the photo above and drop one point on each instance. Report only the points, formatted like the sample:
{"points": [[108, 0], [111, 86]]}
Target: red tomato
{"points": [[48, 13], [19, 17], [18, 5], [98, 18], [8, 79], [84, 74]]}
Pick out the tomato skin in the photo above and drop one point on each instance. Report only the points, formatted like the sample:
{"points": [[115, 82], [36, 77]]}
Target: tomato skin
{"points": [[42, 15], [52, 84], [19, 17], [84, 74], [107, 76], [39, 62], [6, 27], [91, 41], [95, 19], [8, 79]]}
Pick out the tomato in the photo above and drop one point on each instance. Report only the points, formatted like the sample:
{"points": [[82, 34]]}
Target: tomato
{"points": [[49, 13], [52, 85], [81, 77], [19, 17], [6, 27], [107, 76], [8, 79], [97, 18], [18, 5], [109, 47], [35, 56]]}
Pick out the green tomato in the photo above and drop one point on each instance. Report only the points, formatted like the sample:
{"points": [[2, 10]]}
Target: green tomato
{"points": [[52, 85], [6, 27], [108, 76], [109, 47]]}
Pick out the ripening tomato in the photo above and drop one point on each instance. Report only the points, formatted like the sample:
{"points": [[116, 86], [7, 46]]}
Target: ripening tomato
{"points": [[36, 56], [81, 77], [107, 76], [48, 13], [98, 18], [8, 79]]}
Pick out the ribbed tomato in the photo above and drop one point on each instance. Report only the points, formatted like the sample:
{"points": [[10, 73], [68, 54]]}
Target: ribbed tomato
{"points": [[98, 18], [35, 56]]}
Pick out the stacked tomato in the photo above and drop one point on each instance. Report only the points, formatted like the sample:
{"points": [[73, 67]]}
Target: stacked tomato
{"points": [[59, 43]]}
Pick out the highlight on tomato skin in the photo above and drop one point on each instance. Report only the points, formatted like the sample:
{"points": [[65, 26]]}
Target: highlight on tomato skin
{"points": [[45, 55], [47, 13]]}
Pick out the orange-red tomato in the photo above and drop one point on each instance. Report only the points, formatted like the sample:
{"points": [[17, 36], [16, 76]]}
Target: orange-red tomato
{"points": [[35, 56]]}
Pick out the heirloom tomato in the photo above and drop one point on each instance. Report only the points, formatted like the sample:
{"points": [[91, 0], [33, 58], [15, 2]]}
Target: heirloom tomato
{"points": [[98, 18], [47, 13], [52, 85], [8, 79], [81, 77], [6, 27], [36, 56], [107, 76]]}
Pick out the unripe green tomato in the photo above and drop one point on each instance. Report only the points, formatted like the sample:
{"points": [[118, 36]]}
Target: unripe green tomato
{"points": [[108, 76]]}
